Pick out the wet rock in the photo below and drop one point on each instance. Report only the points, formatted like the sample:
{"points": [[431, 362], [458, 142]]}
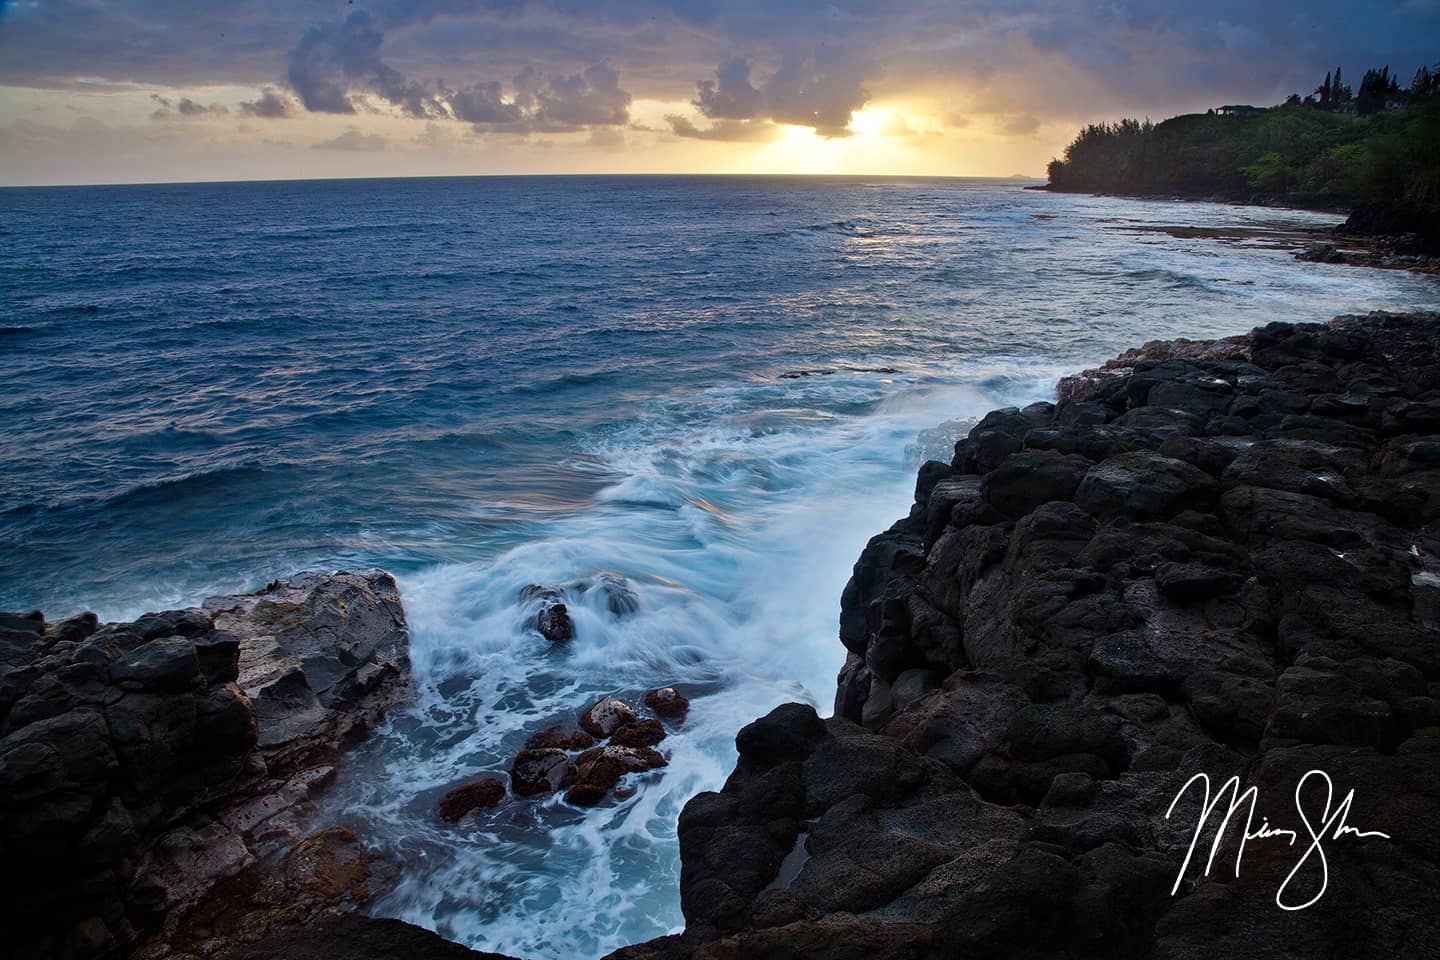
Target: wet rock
{"points": [[639, 733], [598, 770], [1321, 253], [554, 623], [539, 771], [480, 795], [72, 629], [561, 736], [330, 867], [667, 702], [323, 655], [605, 716]]}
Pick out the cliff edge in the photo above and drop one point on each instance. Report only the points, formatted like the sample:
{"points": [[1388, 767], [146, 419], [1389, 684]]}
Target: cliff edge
{"points": [[1216, 558]]}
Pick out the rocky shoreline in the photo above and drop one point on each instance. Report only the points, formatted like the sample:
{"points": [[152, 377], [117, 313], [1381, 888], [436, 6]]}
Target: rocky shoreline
{"points": [[156, 776], [1216, 557]]}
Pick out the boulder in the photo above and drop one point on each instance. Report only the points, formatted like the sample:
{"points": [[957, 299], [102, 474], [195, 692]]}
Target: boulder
{"points": [[554, 623], [667, 702], [605, 716], [538, 771], [638, 733], [562, 736], [599, 769], [322, 655]]}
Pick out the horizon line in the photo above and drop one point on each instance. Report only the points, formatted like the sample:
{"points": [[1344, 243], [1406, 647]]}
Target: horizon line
{"points": [[514, 176]]}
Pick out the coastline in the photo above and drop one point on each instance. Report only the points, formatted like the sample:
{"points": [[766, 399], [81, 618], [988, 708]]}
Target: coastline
{"points": [[1356, 241], [1207, 557], [1031, 676]]}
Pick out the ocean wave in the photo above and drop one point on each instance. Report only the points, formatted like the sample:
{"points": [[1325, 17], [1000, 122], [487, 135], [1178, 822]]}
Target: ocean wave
{"points": [[203, 483]]}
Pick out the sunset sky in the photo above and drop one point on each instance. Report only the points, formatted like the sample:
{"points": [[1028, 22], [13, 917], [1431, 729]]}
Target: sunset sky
{"points": [[159, 90]]}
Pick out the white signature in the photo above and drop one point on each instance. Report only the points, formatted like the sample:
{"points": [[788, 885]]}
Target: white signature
{"points": [[1331, 825]]}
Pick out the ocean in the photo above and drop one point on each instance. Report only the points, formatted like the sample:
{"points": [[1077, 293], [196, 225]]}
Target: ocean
{"points": [[717, 388]]}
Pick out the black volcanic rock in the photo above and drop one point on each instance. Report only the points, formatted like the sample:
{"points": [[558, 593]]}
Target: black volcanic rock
{"points": [[142, 764], [1211, 558]]}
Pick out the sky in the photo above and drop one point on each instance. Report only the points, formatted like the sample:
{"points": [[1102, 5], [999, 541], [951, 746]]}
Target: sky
{"points": [[167, 90]]}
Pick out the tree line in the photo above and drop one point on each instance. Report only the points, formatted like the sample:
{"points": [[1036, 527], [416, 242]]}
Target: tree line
{"points": [[1335, 145]]}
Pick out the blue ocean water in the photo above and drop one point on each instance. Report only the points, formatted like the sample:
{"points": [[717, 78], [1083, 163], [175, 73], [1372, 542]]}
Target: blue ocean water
{"points": [[718, 388]]}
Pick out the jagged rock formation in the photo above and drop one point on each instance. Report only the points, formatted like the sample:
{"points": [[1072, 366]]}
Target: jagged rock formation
{"points": [[1205, 558], [143, 763]]}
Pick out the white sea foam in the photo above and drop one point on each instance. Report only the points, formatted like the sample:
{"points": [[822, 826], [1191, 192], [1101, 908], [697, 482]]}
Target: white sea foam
{"points": [[736, 516]]}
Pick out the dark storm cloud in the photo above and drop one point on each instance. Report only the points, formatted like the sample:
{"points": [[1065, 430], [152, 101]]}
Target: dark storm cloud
{"points": [[808, 61], [338, 62], [334, 60], [484, 103], [554, 104], [730, 96], [802, 92], [576, 100]]}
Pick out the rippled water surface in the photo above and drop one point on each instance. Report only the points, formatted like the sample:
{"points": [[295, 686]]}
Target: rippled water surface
{"points": [[479, 384]]}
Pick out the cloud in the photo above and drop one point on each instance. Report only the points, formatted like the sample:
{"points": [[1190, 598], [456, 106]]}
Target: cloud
{"points": [[810, 62], [272, 105], [182, 107], [484, 103], [578, 100], [336, 63], [821, 94], [334, 60], [607, 138], [735, 131], [730, 95], [355, 139], [1020, 125]]}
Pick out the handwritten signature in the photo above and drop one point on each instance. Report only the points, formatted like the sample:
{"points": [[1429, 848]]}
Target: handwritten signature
{"points": [[1331, 825]]}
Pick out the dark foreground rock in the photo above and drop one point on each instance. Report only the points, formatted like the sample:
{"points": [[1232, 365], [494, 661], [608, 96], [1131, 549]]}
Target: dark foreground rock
{"points": [[1218, 558], [142, 764], [352, 937]]}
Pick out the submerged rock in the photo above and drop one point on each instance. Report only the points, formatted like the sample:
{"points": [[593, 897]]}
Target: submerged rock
{"points": [[561, 736], [598, 771], [538, 771], [554, 623], [1321, 253], [553, 619], [480, 795], [668, 702]]}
